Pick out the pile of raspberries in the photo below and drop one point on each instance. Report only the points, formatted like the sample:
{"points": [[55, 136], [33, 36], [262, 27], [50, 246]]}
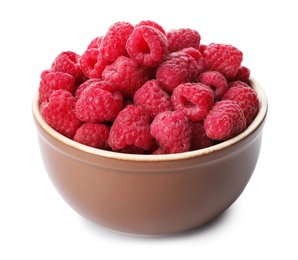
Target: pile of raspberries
{"points": [[142, 90]]}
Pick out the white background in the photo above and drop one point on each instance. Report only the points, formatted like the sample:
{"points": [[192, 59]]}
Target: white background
{"points": [[35, 223]]}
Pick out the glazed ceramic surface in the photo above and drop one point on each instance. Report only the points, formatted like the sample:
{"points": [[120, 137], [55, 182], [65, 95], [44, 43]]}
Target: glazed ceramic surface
{"points": [[151, 194]]}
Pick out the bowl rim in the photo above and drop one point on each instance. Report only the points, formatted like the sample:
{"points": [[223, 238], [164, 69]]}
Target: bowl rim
{"points": [[263, 102]]}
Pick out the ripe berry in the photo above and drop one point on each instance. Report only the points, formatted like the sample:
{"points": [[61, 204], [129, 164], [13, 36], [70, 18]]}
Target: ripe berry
{"points": [[246, 98], [125, 75], [223, 58], [95, 43], [59, 113], [96, 105], [179, 67], [153, 24], [243, 74], [194, 100], [113, 43], [172, 131], [68, 62], [94, 135], [225, 120], [130, 131], [216, 81], [92, 63], [152, 98], [54, 80], [147, 45], [183, 38], [199, 139]]}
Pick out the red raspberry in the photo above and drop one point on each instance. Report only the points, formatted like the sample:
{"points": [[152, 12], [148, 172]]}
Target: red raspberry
{"points": [[152, 98], [54, 80], [193, 99], [225, 120], [159, 151], [130, 131], [68, 62], [125, 75], [246, 98], [153, 24], [95, 43], [223, 58], [238, 82], [179, 67], [172, 131], [94, 135], [113, 44], [183, 38], [92, 63], [85, 85], [242, 74], [216, 81], [199, 139], [100, 83], [147, 45], [96, 105], [59, 113], [195, 53]]}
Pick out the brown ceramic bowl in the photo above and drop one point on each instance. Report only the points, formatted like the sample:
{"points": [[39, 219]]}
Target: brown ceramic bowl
{"points": [[151, 194]]}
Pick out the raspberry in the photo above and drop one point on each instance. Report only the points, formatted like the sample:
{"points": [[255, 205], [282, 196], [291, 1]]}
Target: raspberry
{"points": [[68, 62], [216, 81], [179, 67], [196, 54], [172, 131], [225, 120], [96, 105], [58, 112], [246, 98], [152, 98], [238, 82], [193, 99], [147, 45], [183, 38], [85, 85], [158, 151], [223, 58], [125, 75], [95, 43], [199, 139], [54, 80], [95, 82], [94, 135], [113, 44], [243, 74], [153, 24], [92, 63], [130, 131]]}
